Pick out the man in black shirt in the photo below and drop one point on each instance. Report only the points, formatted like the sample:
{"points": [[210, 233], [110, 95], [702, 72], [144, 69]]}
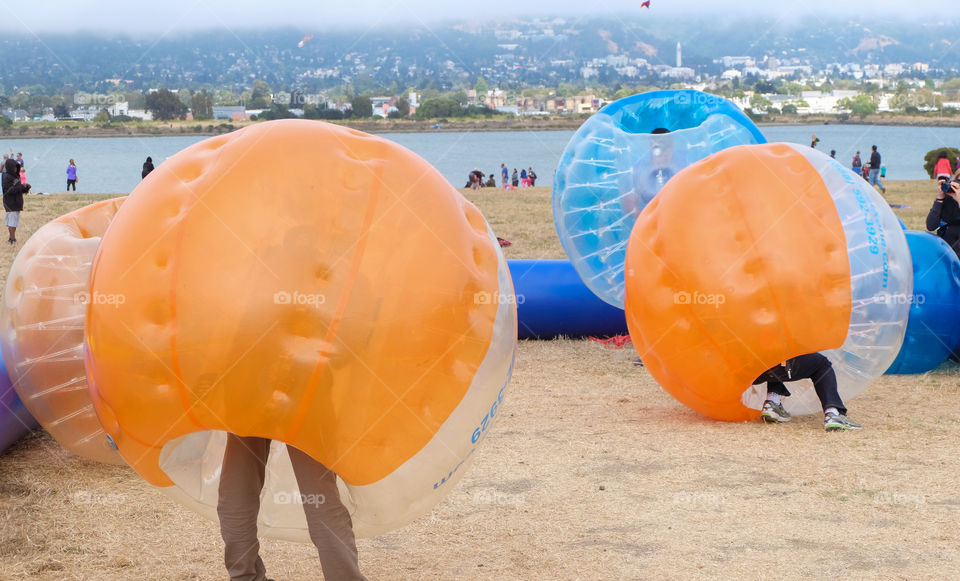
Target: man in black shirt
{"points": [[875, 163], [944, 215]]}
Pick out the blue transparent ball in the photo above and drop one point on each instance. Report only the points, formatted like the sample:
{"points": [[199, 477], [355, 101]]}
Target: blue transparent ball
{"points": [[617, 162]]}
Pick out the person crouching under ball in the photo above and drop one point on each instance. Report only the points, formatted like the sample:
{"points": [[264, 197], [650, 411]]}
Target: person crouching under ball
{"points": [[816, 368]]}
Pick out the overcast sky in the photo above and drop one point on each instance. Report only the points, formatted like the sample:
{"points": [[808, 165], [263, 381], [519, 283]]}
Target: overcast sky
{"points": [[178, 15]]}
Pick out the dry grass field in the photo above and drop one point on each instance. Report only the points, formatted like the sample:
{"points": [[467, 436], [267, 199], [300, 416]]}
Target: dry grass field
{"points": [[592, 472]]}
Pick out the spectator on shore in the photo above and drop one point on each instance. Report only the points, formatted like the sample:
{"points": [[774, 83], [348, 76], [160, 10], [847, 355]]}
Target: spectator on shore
{"points": [[72, 176], [833, 154], [515, 178], [857, 164], [942, 168], [20, 159], [147, 167], [532, 176], [944, 214], [504, 175], [875, 164], [814, 140], [491, 181], [13, 192], [523, 178]]}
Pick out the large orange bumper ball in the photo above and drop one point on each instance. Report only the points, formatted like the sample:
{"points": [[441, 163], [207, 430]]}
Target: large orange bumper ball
{"points": [[310, 284], [44, 310], [757, 254]]}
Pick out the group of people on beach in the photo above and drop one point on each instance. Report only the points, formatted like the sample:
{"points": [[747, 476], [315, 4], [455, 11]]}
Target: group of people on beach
{"points": [[872, 171], [525, 178]]}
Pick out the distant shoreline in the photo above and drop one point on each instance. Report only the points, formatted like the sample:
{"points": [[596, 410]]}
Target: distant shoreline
{"points": [[210, 128]]}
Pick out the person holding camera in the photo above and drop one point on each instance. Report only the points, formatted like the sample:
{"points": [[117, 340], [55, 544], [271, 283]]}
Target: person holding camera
{"points": [[944, 215], [817, 368]]}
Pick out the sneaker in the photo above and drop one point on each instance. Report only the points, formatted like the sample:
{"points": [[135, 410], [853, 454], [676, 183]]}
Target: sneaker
{"points": [[837, 422], [773, 413]]}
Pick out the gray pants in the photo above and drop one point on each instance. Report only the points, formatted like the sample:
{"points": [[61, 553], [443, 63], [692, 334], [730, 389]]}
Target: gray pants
{"points": [[241, 480]]}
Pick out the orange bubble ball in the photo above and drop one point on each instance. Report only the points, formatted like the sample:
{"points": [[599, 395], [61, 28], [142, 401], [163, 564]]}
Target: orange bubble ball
{"points": [[738, 264], [42, 327], [310, 284]]}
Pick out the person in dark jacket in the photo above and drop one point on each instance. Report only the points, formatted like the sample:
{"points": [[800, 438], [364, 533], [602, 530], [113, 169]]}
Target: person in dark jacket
{"points": [[817, 368], [13, 192], [944, 215], [147, 167], [875, 164]]}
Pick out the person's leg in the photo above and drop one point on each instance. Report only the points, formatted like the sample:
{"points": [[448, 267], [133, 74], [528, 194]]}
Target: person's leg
{"points": [[328, 521], [773, 411], [12, 221], [778, 388], [241, 479], [818, 369]]}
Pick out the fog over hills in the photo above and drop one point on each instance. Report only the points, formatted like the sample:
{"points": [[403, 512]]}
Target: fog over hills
{"points": [[509, 53]]}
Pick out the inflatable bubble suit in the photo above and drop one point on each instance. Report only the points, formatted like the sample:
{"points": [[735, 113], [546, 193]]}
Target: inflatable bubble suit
{"points": [[933, 328], [314, 285], [785, 252], [614, 165], [44, 310]]}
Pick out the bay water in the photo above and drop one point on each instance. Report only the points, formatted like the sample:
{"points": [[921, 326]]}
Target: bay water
{"points": [[113, 164]]}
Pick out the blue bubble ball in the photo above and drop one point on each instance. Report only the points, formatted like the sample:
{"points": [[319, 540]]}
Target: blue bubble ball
{"points": [[933, 327]]}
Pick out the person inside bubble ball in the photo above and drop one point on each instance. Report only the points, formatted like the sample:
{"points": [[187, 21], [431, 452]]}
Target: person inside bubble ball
{"points": [[944, 214], [652, 171], [328, 521], [817, 368]]}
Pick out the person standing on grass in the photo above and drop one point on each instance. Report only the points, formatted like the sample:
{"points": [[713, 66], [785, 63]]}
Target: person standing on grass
{"points": [[875, 163], [147, 167], [504, 175], [13, 192], [532, 177], [72, 176], [857, 164], [238, 504], [515, 179]]}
